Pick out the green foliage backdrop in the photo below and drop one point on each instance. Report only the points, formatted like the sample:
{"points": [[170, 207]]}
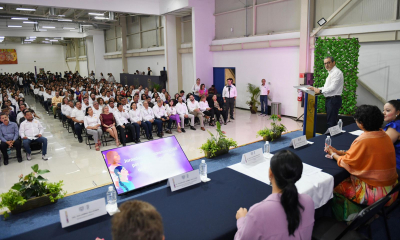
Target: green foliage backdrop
{"points": [[345, 52]]}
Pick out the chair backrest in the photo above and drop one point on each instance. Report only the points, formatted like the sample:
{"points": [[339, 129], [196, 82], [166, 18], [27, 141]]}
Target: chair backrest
{"points": [[21, 120], [58, 105], [365, 215]]}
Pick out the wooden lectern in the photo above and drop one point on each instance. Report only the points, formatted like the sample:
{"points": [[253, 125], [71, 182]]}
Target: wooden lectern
{"points": [[310, 111]]}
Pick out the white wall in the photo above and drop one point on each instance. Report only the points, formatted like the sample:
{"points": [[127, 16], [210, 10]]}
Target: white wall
{"points": [[379, 68], [49, 57], [277, 65], [90, 54], [187, 72]]}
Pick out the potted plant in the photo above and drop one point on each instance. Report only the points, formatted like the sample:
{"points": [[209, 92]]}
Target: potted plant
{"points": [[31, 191], [254, 96], [275, 131], [218, 144]]}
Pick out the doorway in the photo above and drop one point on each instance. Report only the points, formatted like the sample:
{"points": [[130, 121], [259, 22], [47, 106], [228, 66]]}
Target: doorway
{"points": [[220, 75]]}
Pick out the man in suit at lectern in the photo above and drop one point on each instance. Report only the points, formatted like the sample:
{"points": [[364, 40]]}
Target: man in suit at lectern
{"points": [[332, 90]]}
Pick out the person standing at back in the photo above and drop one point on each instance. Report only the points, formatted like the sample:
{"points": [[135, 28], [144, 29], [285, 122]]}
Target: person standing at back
{"points": [[229, 95], [196, 89], [332, 90], [284, 214], [264, 98]]}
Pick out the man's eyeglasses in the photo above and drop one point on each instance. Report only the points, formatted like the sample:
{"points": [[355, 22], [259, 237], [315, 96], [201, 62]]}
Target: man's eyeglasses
{"points": [[327, 63]]}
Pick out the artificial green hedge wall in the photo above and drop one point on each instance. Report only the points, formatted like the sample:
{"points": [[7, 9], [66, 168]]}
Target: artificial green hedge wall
{"points": [[345, 52]]}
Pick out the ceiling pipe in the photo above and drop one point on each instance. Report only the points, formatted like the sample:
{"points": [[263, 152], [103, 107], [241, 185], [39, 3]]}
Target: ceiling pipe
{"points": [[111, 16], [52, 12]]}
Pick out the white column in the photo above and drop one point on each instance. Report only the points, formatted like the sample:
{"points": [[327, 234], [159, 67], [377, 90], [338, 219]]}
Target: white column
{"points": [[171, 53], [203, 30], [99, 50], [90, 55], [124, 44]]}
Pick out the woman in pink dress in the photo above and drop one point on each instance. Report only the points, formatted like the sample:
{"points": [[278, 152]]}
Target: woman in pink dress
{"points": [[203, 90]]}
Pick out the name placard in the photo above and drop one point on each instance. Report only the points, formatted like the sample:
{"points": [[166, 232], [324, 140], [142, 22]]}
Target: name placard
{"points": [[253, 157], [299, 142], [335, 130], [82, 212], [184, 180]]}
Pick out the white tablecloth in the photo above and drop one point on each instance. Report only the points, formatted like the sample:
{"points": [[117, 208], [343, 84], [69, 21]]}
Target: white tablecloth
{"points": [[317, 184]]}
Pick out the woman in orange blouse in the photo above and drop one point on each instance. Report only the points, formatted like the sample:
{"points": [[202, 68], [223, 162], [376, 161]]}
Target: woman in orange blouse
{"points": [[371, 161]]}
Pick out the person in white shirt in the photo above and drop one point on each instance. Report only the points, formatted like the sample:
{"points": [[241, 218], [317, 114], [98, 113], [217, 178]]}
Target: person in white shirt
{"points": [[332, 90], [135, 116], [148, 119], [126, 106], [31, 131], [111, 78], [121, 117], [21, 81], [173, 114], [196, 89], [161, 115], [112, 106], [20, 115], [162, 94], [229, 94], [92, 125], [206, 110], [92, 98], [78, 115], [194, 109], [65, 106], [97, 110], [182, 94], [85, 103], [264, 98], [182, 110]]}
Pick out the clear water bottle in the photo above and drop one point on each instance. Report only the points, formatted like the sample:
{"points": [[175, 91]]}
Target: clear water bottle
{"points": [[266, 148], [111, 196], [203, 169], [328, 141], [340, 124]]}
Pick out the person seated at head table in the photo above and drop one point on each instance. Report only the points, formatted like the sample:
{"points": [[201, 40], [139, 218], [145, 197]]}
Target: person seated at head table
{"points": [[137, 220], [391, 112], [371, 162], [285, 214]]}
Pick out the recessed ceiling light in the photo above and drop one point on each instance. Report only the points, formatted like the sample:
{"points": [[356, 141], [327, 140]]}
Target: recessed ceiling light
{"points": [[29, 22], [96, 14], [19, 18], [14, 26], [1, 7], [61, 15], [26, 9], [1, 37], [53, 40], [64, 20], [68, 28], [48, 27], [100, 18]]}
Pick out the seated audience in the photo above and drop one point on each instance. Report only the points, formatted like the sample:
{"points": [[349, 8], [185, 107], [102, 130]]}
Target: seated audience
{"points": [[31, 131], [284, 214], [55, 101], [161, 116], [9, 138], [391, 112], [218, 110], [97, 109], [194, 109], [173, 115], [78, 116], [206, 110], [20, 115], [137, 220], [108, 122], [182, 110], [121, 117], [212, 90], [371, 161], [92, 125], [203, 91]]}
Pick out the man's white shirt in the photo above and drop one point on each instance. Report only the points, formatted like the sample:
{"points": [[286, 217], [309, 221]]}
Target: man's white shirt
{"points": [[334, 83]]}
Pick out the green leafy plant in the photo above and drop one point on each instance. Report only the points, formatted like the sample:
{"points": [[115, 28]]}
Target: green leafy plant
{"points": [[254, 96], [275, 131], [30, 186], [217, 142], [156, 86], [346, 53]]}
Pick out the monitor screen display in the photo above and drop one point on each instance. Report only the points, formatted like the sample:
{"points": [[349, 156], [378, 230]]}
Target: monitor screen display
{"points": [[140, 165]]}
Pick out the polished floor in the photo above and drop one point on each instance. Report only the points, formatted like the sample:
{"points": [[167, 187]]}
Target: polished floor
{"points": [[81, 168]]}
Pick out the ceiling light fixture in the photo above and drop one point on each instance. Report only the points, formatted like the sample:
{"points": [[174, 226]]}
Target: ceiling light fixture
{"points": [[13, 26], [68, 28], [53, 40], [48, 27], [86, 25], [1, 7], [96, 14], [29, 22], [100, 18], [64, 20], [26, 9], [61, 15], [18, 18], [321, 22]]}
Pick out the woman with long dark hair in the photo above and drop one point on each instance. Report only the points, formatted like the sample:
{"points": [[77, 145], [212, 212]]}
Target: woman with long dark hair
{"points": [[391, 112], [285, 214]]}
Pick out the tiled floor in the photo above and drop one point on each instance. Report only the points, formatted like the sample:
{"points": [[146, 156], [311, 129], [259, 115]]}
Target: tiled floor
{"points": [[81, 168]]}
